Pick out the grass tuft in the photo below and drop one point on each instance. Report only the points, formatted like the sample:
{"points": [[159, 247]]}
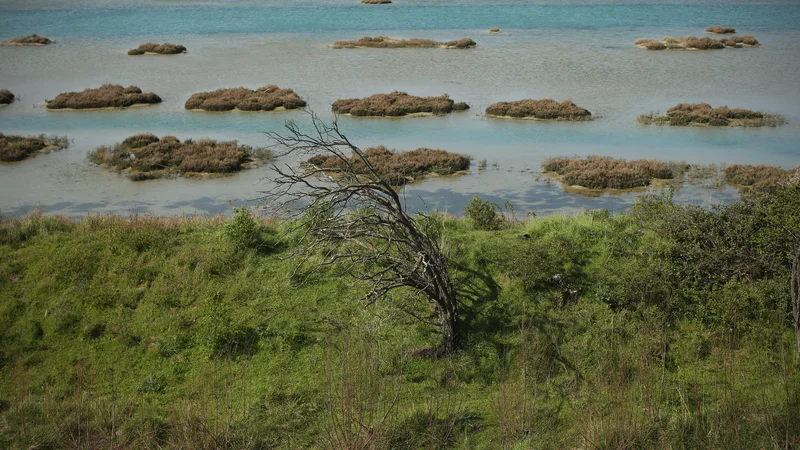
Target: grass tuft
{"points": [[17, 148], [545, 109], [703, 114], [6, 97], [159, 49], [32, 39], [145, 156], [397, 168], [106, 96], [598, 172], [265, 98], [397, 104], [387, 42]]}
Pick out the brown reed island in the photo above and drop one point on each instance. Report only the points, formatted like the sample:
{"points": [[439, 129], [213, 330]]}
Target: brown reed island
{"points": [[719, 29], [545, 109], [376, 2], [599, 173], [387, 42], [265, 98], [397, 104], [157, 49], [6, 97], [33, 40], [107, 96], [398, 168], [696, 43], [17, 148], [703, 114], [759, 178], [145, 156]]}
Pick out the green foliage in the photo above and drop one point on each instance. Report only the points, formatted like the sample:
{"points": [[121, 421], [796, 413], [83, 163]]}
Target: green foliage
{"points": [[665, 327]]}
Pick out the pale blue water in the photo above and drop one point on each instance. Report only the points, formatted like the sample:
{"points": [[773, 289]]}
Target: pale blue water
{"points": [[577, 50]]}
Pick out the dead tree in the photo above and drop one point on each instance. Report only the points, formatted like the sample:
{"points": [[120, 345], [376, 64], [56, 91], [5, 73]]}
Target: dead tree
{"points": [[353, 218]]}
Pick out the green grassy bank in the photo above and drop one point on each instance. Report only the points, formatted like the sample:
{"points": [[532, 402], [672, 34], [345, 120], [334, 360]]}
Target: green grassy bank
{"points": [[664, 327]]}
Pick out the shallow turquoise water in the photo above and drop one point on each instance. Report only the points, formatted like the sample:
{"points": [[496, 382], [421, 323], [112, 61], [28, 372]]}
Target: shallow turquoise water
{"points": [[577, 50]]}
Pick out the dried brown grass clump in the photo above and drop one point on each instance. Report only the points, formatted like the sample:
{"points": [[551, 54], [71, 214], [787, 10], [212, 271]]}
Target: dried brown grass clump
{"points": [[376, 2], [145, 156], [545, 109], [494, 30], [387, 42], [597, 172], [704, 114], [6, 97], [396, 104], [719, 29], [759, 177], [266, 98], [398, 168], [158, 49], [17, 148], [33, 39], [696, 43], [106, 96]]}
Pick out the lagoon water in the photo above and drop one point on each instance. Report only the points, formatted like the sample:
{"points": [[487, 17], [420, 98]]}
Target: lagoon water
{"points": [[581, 50]]}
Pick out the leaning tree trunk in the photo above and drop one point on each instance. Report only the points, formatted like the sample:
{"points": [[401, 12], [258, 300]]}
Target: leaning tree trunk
{"points": [[795, 290]]}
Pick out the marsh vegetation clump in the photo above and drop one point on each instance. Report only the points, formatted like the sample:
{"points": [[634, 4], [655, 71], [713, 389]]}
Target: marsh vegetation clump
{"points": [[376, 2], [696, 43], [6, 97], [145, 156], [703, 114], [545, 109], [18, 148], [397, 168], [397, 104], [106, 96], [598, 172], [157, 49], [761, 178], [32, 39], [265, 98], [719, 29], [494, 30], [387, 42]]}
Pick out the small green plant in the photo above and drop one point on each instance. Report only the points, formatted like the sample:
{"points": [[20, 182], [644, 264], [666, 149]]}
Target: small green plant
{"points": [[482, 164], [484, 215], [243, 229]]}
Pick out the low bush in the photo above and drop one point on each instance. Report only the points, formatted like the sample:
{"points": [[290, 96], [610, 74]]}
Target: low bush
{"points": [[397, 168], [159, 49], [17, 148], [387, 42], [695, 43], [265, 98], [484, 215], [6, 97], [759, 178], [719, 29], [32, 39], [106, 96], [145, 156], [704, 114], [397, 104], [597, 172], [545, 109]]}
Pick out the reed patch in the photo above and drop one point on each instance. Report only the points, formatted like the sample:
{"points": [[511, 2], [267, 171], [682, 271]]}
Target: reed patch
{"points": [[696, 43], [598, 172], [157, 49], [387, 42], [30, 40]]}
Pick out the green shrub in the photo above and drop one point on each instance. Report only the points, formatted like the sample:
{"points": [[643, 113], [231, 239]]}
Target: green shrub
{"points": [[484, 215]]}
